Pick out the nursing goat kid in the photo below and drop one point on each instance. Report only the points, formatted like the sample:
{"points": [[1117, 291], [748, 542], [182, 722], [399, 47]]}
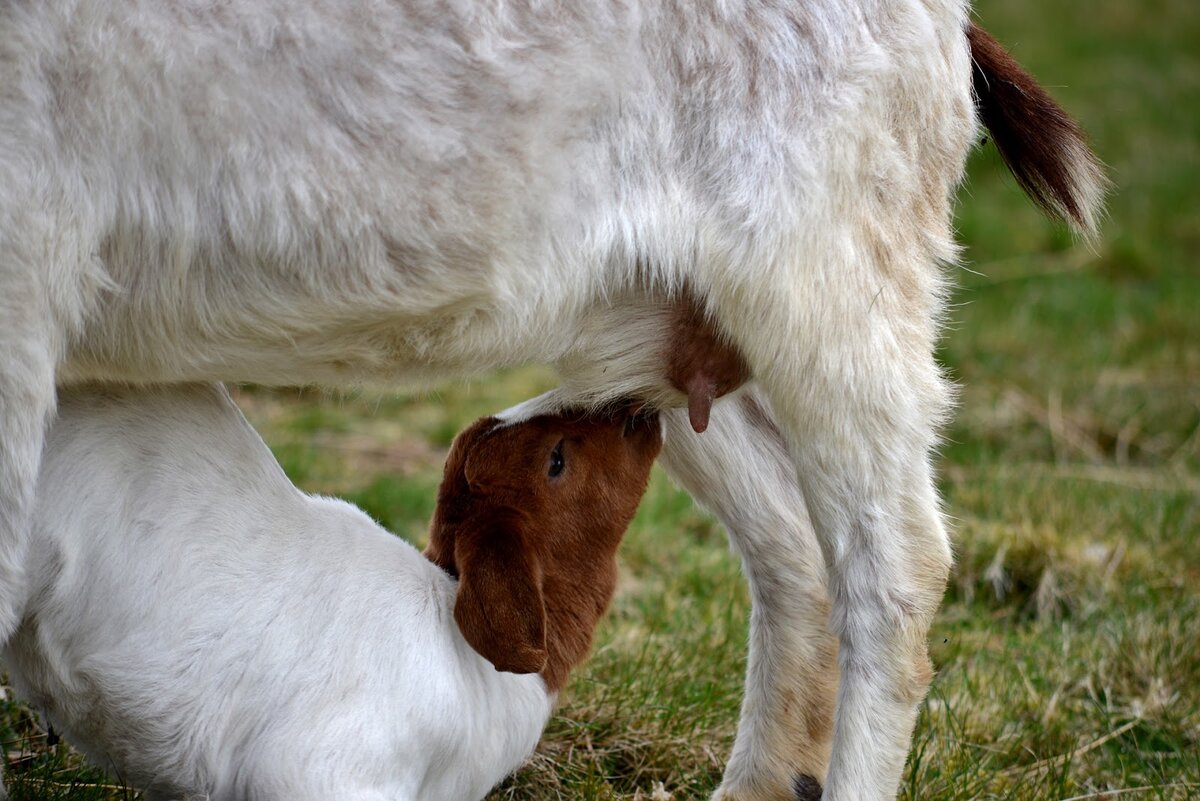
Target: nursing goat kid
{"points": [[335, 191], [204, 630]]}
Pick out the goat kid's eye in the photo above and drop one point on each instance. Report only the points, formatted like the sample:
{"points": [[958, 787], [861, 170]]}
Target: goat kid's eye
{"points": [[557, 463]]}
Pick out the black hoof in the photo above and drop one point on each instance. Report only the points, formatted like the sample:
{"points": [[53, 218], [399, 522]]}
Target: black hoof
{"points": [[807, 788]]}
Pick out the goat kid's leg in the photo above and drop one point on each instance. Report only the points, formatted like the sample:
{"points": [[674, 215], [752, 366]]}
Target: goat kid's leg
{"points": [[858, 396], [741, 471]]}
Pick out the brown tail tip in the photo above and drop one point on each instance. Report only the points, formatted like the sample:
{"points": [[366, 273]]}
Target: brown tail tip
{"points": [[1044, 148]]}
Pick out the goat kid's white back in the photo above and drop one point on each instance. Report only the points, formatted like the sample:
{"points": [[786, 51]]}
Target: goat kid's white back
{"points": [[199, 626], [320, 191]]}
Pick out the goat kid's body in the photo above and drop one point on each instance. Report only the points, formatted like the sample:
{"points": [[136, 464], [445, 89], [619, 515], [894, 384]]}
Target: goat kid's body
{"points": [[203, 628]]}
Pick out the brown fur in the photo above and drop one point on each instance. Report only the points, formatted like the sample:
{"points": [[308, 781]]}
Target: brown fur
{"points": [[536, 555], [1035, 137]]}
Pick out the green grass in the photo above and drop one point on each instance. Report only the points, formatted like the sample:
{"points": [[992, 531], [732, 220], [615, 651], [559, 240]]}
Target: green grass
{"points": [[1068, 649]]}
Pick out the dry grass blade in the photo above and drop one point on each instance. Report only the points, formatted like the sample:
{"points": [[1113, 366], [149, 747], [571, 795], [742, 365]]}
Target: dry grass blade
{"points": [[1060, 759], [1130, 790]]}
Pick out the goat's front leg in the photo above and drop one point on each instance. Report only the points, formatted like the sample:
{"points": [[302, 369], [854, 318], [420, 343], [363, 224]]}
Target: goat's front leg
{"points": [[854, 386], [740, 470]]}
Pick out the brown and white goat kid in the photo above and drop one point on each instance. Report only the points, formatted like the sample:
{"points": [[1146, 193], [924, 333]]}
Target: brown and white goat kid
{"points": [[202, 629], [305, 191]]}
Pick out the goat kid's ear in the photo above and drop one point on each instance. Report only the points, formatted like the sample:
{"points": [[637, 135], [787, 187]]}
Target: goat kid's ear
{"points": [[499, 608]]}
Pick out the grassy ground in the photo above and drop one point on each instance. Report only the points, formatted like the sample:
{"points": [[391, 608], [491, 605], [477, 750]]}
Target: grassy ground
{"points": [[1068, 650]]}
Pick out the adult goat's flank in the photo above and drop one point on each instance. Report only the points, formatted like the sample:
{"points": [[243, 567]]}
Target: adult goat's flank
{"points": [[202, 629], [309, 191]]}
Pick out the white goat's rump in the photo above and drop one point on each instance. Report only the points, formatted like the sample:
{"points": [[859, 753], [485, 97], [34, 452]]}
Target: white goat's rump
{"points": [[323, 191]]}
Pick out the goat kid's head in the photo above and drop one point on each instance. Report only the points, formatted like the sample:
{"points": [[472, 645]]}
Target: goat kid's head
{"points": [[529, 517]]}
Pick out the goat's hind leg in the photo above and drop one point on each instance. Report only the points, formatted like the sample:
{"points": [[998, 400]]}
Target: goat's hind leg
{"points": [[28, 356], [741, 471], [858, 396]]}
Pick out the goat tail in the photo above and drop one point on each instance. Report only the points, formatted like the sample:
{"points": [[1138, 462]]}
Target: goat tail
{"points": [[1044, 148]]}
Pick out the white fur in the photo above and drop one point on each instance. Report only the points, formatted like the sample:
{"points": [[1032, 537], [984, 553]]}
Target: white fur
{"points": [[742, 469], [202, 628], [354, 190]]}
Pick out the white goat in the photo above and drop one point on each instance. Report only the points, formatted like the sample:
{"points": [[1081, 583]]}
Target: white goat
{"points": [[205, 630], [338, 191]]}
